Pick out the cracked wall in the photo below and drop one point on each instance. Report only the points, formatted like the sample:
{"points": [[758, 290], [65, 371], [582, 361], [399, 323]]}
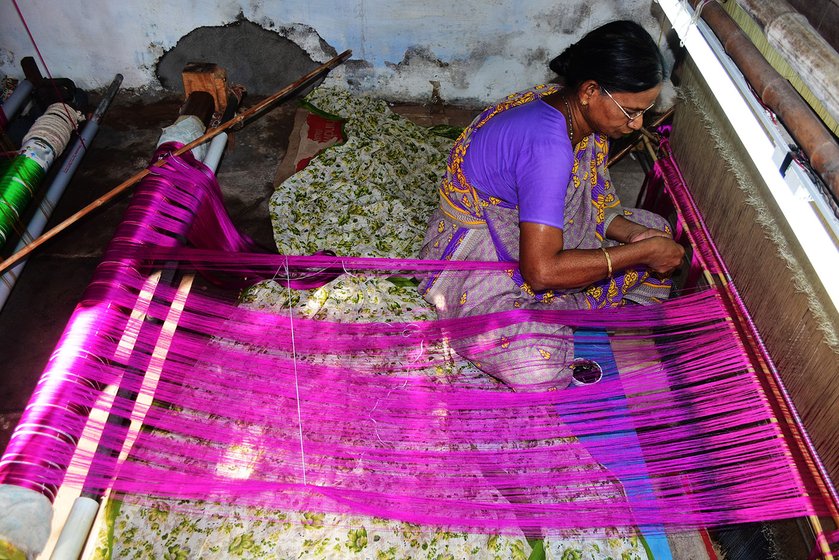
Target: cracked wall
{"points": [[477, 50]]}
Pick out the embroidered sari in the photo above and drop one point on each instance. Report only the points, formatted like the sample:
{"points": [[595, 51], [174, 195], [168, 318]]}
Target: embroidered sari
{"points": [[471, 225]]}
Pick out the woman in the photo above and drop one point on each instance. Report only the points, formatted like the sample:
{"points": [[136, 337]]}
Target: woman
{"points": [[527, 181]]}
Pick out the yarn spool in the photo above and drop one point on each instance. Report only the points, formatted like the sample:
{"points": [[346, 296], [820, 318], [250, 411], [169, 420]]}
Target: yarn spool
{"points": [[19, 178], [44, 142]]}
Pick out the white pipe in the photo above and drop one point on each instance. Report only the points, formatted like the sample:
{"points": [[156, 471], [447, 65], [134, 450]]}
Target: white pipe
{"points": [[70, 543], [16, 100], [215, 151]]}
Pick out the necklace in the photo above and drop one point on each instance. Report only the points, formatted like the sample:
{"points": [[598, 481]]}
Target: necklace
{"points": [[570, 120]]}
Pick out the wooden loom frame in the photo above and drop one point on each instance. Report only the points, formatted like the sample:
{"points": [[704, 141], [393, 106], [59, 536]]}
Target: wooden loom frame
{"points": [[749, 338], [691, 233]]}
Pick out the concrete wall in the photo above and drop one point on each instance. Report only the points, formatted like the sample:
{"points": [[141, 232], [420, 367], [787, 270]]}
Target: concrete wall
{"points": [[476, 49]]}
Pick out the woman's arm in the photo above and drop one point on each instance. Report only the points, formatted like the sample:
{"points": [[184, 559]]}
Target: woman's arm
{"points": [[627, 231], [544, 263]]}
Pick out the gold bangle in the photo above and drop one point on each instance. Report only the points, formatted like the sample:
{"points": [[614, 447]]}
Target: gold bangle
{"points": [[608, 260]]}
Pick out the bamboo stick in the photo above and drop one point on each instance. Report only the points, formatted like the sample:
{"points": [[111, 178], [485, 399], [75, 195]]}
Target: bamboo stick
{"points": [[642, 133], [125, 185]]}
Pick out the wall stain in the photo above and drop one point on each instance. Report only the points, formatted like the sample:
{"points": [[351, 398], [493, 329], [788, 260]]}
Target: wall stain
{"points": [[260, 59]]}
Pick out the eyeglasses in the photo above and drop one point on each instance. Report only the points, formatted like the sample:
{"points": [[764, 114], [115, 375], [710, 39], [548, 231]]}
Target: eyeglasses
{"points": [[630, 117]]}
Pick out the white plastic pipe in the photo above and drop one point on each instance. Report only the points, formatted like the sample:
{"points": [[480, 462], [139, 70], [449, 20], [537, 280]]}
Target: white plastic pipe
{"points": [[73, 535], [16, 100]]}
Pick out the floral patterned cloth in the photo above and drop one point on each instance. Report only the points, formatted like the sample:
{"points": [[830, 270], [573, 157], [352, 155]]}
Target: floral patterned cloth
{"points": [[367, 197], [370, 196], [167, 532]]}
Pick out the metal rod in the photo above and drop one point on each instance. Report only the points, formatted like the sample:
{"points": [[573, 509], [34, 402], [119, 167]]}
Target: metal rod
{"points": [[125, 185], [15, 101]]}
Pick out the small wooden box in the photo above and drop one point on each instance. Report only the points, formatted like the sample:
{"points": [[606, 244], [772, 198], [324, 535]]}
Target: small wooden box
{"points": [[209, 77]]}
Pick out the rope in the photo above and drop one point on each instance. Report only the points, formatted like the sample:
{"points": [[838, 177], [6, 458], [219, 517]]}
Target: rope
{"points": [[54, 127]]}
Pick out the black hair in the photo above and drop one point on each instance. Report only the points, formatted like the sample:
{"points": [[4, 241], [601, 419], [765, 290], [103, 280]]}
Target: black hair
{"points": [[620, 56]]}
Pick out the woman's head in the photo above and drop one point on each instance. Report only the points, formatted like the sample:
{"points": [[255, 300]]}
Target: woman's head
{"points": [[614, 74], [620, 56]]}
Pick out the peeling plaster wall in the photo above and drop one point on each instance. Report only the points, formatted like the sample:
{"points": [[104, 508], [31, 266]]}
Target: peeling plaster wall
{"points": [[477, 49]]}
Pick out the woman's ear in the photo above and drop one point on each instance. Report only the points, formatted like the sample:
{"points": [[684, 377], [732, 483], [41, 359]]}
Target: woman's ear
{"points": [[587, 90]]}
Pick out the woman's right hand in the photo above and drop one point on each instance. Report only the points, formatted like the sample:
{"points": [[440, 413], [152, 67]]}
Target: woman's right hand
{"points": [[663, 254]]}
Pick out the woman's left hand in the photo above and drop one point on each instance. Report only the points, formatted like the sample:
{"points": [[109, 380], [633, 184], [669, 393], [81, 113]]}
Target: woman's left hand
{"points": [[648, 233]]}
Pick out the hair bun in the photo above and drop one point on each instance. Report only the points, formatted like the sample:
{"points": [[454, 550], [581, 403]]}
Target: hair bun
{"points": [[620, 55], [560, 65]]}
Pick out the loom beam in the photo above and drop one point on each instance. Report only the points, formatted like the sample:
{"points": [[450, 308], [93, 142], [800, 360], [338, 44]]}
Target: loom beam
{"points": [[813, 58], [778, 94]]}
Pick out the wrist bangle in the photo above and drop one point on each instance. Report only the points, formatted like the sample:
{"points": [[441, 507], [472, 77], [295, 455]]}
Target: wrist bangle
{"points": [[608, 261]]}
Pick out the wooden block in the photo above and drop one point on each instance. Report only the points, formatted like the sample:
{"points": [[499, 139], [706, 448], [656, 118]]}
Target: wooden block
{"points": [[209, 77]]}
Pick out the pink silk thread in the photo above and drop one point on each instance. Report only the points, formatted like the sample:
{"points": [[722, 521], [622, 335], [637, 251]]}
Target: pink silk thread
{"points": [[247, 400]]}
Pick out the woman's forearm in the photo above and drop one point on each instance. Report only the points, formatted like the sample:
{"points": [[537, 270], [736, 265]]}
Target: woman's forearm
{"points": [[577, 268], [623, 230], [545, 264]]}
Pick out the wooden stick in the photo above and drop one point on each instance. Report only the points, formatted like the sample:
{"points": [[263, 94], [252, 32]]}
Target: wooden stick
{"points": [[643, 132], [125, 185]]}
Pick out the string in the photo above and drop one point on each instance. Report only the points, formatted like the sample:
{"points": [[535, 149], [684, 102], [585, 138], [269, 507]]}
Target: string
{"points": [[54, 127], [19, 178], [698, 11], [49, 74], [296, 378]]}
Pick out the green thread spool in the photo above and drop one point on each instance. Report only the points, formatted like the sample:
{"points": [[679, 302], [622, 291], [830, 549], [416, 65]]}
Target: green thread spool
{"points": [[19, 177], [39, 148]]}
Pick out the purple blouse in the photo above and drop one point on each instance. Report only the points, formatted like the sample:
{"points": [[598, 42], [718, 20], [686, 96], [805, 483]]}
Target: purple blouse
{"points": [[523, 156]]}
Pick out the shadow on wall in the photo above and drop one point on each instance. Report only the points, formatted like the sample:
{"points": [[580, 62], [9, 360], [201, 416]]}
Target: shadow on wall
{"points": [[261, 60]]}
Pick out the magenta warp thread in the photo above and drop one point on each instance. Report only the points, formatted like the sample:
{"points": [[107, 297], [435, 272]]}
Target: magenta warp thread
{"points": [[668, 173], [382, 432], [45, 438]]}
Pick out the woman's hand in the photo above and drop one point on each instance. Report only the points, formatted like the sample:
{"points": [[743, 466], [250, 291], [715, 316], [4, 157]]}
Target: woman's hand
{"points": [[545, 264], [663, 255]]}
